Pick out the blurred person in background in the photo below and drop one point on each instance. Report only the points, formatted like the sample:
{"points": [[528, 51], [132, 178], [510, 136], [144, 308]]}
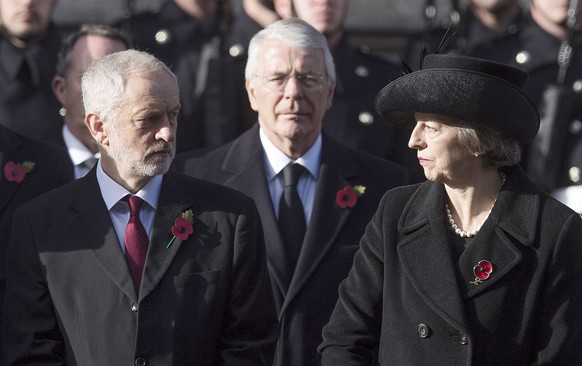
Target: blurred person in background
{"points": [[467, 27], [29, 169], [29, 44], [549, 48], [90, 42]]}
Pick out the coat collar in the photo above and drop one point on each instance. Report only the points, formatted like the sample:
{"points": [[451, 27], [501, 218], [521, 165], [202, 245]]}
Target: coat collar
{"points": [[425, 250]]}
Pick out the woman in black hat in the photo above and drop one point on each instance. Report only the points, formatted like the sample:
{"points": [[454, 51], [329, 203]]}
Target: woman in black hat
{"points": [[475, 266]]}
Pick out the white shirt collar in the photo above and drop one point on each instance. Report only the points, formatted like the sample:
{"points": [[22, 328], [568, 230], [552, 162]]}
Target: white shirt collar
{"points": [[276, 160], [77, 150], [113, 192]]}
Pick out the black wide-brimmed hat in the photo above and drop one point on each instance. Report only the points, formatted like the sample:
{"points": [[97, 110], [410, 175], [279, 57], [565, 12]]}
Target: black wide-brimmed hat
{"points": [[465, 88]]}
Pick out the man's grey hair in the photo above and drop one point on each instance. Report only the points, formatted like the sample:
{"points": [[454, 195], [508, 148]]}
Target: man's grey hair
{"points": [[103, 83], [293, 32]]}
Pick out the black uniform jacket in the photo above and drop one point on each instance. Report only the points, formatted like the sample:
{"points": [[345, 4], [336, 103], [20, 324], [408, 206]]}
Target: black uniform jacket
{"points": [[406, 294], [305, 297], [27, 102], [554, 158]]}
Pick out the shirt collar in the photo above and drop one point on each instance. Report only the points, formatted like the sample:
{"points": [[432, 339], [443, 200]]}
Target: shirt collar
{"points": [[113, 192], [77, 150], [276, 160]]}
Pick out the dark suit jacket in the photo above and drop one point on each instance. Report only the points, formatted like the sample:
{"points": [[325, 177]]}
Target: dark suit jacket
{"points": [[406, 293], [304, 300], [203, 301], [50, 171]]}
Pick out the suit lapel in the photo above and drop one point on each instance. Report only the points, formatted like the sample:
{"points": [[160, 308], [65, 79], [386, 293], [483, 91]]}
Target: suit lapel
{"points": [[244, 164], [511, 223], [174, 199], [491, 245], [327, 219], [93, 227], [426, 257]]}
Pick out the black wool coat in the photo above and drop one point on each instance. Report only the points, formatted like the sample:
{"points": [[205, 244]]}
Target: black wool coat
{"points": [[406, 295]]}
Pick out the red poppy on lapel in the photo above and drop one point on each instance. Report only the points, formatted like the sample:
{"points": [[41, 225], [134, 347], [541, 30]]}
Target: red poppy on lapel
{"points": [[183, 227], [482, 271], [348, 196], [14, 172]]}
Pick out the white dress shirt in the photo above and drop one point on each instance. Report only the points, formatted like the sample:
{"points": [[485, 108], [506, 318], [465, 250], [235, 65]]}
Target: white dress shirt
{"points": [[275, 160], [113, 194], [78, 152]]}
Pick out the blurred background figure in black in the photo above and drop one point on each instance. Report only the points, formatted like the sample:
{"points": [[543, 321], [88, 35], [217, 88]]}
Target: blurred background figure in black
{"points": [[254, 16], [549, 48], [467, 26], [90, 42], [29, 168], [187, 35], [29, 44]]}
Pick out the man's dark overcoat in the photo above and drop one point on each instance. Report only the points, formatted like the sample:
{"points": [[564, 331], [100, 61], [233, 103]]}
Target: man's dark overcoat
{"points": [[203, 301], [306, 298]]}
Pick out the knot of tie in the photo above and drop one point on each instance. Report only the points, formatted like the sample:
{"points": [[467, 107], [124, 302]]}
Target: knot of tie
{"points": [[292, 173], [135, 203]]}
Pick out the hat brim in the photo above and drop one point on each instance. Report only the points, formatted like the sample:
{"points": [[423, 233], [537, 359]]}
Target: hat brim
{"points": [[464, 95]]}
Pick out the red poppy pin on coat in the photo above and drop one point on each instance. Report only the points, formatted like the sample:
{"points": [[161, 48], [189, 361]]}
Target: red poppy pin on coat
{"points": [[482, 271]]}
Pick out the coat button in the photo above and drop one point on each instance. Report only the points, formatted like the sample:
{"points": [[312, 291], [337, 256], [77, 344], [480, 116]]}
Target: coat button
{"points": [[140, 362], [423, 330], [463, 339], [134, 307]]}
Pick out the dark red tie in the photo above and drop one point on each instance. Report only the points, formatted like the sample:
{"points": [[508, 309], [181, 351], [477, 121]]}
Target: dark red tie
{"points": [[136, 242]]}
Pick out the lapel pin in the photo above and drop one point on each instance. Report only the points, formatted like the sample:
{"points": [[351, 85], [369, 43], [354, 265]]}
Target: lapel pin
{"points": [[482, 271]]}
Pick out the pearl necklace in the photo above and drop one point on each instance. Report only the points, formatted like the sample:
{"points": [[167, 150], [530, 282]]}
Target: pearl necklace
{"points": [[470, 234]]}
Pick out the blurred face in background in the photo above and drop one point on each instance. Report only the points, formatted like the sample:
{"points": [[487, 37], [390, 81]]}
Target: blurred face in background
{"points": [[25, 21], [68, 89], [327, 16], [555, 11], [495, 6]]}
